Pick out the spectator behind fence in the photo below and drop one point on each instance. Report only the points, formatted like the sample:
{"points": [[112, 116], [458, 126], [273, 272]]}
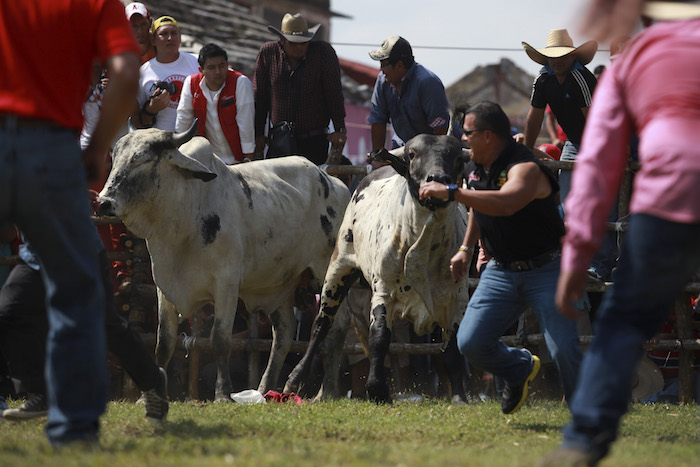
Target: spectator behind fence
{"points": [[162, 77], [43, 183], [566, 85], [298, 91], [140, 21], [408, 94], [222, 100], [23, 329], [512, 204], [653, 90]]}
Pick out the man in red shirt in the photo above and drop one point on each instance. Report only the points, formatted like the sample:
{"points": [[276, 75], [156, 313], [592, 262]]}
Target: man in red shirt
{"points": [[43, 181], [140, 21]]}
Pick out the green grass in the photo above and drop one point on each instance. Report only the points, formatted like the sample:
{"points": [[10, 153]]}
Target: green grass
{"points": [[350, 432]]}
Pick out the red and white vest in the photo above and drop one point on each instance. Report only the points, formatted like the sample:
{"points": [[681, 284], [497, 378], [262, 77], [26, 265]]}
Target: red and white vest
{"points": [[226, 108]]}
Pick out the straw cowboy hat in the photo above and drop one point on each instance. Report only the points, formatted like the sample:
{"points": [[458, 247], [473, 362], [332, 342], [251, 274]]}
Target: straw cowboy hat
{"points": [[559, 44], [295, 29], [648, 380], [671, 11]]}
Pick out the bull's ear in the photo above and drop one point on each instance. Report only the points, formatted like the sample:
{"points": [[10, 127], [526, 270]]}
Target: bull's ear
{"points": [[393, 158], [191, 167], [181, 138]]}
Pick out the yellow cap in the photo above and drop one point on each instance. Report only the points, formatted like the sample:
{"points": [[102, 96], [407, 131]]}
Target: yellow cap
{"points": [[164, 21]]}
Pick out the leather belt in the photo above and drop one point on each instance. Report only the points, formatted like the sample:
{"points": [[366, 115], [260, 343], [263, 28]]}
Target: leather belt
{"points": [[530, 264], [312, 133], [7, 120]]}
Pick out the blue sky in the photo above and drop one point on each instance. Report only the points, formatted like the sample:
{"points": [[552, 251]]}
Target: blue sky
{"points": [[451, 23]]}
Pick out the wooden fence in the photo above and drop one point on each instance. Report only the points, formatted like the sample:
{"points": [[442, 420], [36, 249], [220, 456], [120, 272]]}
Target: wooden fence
{"points": [[140, 298]]}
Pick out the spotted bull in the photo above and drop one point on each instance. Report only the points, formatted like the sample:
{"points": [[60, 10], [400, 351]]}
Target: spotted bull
{"points": [[218, 232], [402, 247]]}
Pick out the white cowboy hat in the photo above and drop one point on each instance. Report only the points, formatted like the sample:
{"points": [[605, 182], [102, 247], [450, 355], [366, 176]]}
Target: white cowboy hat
{"points": [[672, 10], [295, 29], [559, 44]]}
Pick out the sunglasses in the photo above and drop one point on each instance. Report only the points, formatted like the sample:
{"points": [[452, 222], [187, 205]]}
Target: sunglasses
{"points": [[469, 132]]}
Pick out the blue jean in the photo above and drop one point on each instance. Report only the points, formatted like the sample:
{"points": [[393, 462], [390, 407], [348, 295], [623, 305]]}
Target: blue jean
{"points": [[658, 258], [568, 154], [43, 190], [498, 301]]}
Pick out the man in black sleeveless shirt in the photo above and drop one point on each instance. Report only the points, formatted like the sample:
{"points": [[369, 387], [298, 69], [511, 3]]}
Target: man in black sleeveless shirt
{"points": [[512, 205]]}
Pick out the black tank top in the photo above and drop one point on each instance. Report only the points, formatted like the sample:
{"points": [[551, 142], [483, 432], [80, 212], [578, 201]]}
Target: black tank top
{"points": [[534, 230]]}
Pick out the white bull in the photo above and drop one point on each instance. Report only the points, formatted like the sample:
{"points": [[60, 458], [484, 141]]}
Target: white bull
{"points": [[402, 247], [250, 231]]}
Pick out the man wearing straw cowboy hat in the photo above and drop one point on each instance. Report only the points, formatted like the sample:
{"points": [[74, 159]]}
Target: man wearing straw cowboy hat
{"points": [[567, 86], [297, 86], [635, 96]]}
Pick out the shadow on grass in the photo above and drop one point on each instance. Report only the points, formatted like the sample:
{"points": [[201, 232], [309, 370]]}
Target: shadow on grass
{"points": [[538, 427], [189, 429]]}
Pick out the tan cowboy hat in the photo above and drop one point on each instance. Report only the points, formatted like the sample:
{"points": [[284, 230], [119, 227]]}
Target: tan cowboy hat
{"points": [[559, 44], [648, 380], [295, 29], [672, 10]]}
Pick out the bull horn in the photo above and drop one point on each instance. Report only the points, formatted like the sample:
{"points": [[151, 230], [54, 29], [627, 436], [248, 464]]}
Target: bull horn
{"points": [[181, 138], [132, 127], [466, 154]]}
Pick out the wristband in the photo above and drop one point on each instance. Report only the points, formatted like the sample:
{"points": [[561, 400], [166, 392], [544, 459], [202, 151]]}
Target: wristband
{"points": [[451, 189], [466, 249], [143, 109]]}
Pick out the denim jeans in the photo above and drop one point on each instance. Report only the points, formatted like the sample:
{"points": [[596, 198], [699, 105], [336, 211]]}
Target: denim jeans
{"points": [[568, 154], [43, 190], [658, 258], [605, 258], [498, 301]]}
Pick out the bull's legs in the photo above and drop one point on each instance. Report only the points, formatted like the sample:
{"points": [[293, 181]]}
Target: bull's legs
{"points": [[283, 327], [167, 330], [334, 353], [225, 305], [335, 288], [456, 369], [379, 339]]}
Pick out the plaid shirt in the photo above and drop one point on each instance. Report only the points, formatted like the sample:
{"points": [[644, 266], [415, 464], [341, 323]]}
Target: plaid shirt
{"points": [[310, 95]]}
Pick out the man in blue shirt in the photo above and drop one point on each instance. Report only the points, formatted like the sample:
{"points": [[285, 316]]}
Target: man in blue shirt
{"points": [[408, 94]]}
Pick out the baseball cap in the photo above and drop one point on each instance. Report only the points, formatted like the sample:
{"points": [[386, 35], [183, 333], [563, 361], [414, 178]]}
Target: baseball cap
{"points": [[136, 8], [550, 149], [164, 21], [393, 47]]}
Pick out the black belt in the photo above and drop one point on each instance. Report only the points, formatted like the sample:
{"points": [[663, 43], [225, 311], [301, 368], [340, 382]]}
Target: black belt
{"points": [[7, 120], [529, 264], [310, 134]]}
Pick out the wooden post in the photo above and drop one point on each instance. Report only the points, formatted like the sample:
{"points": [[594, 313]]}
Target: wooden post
{"points": [[685, 356], [253, 355], [194, 353]]}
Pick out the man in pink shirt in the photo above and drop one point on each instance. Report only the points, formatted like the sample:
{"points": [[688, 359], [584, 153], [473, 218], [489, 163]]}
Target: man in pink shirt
{"points": [[652, 90]]}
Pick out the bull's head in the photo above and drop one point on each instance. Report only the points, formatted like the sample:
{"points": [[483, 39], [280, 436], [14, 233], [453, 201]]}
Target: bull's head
{"points": [[425, 158], [137, 166]]}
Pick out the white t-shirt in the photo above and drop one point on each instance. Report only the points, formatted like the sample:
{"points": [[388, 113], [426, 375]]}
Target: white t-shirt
{"points": [[175, 72], [245, 117]]}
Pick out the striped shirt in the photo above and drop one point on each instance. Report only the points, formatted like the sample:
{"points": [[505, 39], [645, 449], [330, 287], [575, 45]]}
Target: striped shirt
{"points": [[566, 99], [309, 95]]}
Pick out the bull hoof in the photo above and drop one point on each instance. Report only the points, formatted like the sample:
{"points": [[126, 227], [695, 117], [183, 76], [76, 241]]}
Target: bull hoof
{"points": [[378, 392], [458, 399], [293, 383], [223, 398]]}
